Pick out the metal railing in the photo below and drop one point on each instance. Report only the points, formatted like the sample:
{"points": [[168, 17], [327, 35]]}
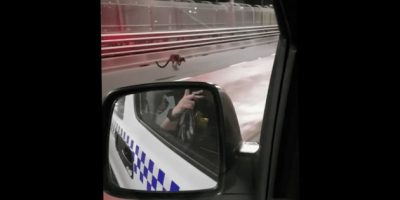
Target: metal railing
{"points": [[138, 49], [151, 15], [125, 44]]}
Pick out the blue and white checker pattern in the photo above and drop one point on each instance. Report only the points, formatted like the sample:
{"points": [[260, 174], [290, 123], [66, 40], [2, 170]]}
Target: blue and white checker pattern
{"points": [[146, 170]]}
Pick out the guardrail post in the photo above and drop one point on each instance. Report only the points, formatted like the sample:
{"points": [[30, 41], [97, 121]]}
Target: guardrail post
{"points": [[150, 7], [252, 8], [120, 17], [232, 22]]}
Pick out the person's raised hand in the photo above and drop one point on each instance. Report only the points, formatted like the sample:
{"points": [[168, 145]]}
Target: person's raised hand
{"points": [[187, 102]]}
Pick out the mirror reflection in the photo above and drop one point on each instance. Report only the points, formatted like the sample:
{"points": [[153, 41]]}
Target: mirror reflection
{"points": [[165, 141]]}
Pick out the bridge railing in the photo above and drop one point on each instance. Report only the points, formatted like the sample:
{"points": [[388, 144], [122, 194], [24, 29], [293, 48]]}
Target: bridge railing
{"points": [[125, 50], [154, 15]]}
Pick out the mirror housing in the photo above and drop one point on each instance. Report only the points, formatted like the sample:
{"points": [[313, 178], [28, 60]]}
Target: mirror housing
{"points": [[230, 141]]}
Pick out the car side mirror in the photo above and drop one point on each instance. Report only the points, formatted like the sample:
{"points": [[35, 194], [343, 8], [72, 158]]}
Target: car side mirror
{"points": [[169, 138]]}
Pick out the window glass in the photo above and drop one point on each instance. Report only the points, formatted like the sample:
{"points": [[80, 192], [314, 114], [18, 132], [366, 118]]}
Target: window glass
{"points": [[229, 43]]}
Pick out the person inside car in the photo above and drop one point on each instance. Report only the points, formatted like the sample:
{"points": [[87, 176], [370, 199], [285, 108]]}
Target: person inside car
{"points": [[186, 103], [184, 114]]}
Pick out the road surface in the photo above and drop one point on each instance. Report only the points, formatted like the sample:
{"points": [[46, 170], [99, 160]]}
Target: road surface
{"points": [[243, 73]]}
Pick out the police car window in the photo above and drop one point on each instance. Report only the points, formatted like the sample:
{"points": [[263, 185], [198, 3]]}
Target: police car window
{"points": [[201, 149]]}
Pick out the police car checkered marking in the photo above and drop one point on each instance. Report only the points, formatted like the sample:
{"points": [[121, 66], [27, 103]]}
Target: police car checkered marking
{"points": [[149, 174], [137, 150], [174, 187]]}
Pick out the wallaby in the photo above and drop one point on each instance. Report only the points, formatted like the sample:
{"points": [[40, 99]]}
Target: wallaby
{"points": [[176, 60]]}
